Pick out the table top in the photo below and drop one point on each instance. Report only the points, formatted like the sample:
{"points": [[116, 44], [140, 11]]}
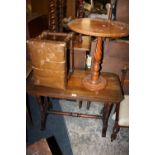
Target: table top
{"points": [[99, 27], [75, 90]]}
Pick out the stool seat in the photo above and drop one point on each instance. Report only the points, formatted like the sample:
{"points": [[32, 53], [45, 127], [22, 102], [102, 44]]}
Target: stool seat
{"points": [[124, 112]]}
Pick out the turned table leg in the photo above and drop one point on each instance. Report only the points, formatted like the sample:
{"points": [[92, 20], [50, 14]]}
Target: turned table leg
{"points": [[95, 81], [52, 15], [80, 8], [43, 105], [106, 113], [60, 15]]}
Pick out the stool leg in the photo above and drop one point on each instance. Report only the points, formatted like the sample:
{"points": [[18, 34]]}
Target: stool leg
{"points": [[88, 105], [106, 113], [43, 104]]}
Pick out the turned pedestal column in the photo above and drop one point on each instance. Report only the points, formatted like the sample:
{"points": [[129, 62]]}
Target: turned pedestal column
{"points": [[95, 81]]}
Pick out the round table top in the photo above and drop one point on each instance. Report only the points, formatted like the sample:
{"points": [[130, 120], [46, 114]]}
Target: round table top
{"points": [[99, 27]]}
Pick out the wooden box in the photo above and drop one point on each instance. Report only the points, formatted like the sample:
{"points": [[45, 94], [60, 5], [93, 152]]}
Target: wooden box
{"points": [[48, 58]]}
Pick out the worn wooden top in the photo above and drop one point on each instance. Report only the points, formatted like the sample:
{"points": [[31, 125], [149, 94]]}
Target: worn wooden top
{"points": [[38, 148], [99, 27], [76, 91]]}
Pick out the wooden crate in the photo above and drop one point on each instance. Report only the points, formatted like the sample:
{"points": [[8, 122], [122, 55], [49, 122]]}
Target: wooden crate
{"points": [[48, 58]]}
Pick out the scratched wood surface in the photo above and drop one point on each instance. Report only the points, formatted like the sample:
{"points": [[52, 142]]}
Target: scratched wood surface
{"points": [[98, 27], [75, 90], [38, 148]]}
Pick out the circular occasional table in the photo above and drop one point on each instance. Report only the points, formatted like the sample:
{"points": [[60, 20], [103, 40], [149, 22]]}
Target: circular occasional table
{"points": [[100, 29]]}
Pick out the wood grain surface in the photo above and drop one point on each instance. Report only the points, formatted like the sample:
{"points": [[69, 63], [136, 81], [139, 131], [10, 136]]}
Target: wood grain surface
{"points": [[75, 89], [98, 27]]}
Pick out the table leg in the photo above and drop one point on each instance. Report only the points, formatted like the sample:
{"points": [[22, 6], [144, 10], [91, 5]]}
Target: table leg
{"points": [[106, 113], [95, 81], [80, 104], [88, 105], [116, 127], [28, 111], [44, 105]]}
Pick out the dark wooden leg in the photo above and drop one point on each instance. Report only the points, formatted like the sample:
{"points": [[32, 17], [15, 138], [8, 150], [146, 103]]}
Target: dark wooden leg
{"points": [[106, 113], [80, 9], [88, 105], [43, 104], [60, 15], [71, 68], [116, 127], [52, 15], [80, 104], [28, 111]]}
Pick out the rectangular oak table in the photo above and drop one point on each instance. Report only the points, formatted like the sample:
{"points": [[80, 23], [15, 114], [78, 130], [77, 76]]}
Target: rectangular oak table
{"points": [[110, 95]]}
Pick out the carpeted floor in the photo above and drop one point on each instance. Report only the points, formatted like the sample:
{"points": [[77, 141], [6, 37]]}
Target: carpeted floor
{"points": [[77, 136]]}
